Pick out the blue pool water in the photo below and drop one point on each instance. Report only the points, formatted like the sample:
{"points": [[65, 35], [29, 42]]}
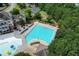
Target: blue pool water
{"points": [[42, 33]]}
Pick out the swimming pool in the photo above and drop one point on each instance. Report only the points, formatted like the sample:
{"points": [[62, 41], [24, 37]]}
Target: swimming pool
{"points": [[41, 32]]}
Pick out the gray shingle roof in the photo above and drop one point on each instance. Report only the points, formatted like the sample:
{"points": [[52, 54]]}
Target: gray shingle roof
{"points": [[4, 15]]}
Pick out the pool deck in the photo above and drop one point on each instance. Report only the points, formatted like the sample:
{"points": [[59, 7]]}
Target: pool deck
{"points": [[42, 42], [26, 47]]}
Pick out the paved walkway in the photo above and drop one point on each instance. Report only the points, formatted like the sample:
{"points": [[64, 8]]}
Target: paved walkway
{"points": [[4, 36], [12, 5]]}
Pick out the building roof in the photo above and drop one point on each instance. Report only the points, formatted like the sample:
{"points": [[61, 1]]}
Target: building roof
{"points": [[35, 9], [1, 19], [4, 15]]}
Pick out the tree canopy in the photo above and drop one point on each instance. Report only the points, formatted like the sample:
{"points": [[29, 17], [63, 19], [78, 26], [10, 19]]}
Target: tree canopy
{"points": [[67, 37]]}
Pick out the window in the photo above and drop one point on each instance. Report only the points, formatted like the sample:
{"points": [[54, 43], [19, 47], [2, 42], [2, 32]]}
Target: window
{"points": [[4, 22], [5, 27], [2, 27]]}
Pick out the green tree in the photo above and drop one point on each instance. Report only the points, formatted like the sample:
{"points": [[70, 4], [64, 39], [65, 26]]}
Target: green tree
{"points": [[15, 11], [21, 22], [67, 38], [27, 14], [22, 54], [21, 5], [37, 16]]}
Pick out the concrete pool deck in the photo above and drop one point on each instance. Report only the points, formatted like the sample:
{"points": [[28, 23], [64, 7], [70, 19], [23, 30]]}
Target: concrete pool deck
{"points": [[31, 49], [34, 40], [5, 45], [7, 40]]}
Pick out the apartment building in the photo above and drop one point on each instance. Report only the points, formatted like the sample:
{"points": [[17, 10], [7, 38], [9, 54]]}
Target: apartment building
{"points": [[6, 23]]}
